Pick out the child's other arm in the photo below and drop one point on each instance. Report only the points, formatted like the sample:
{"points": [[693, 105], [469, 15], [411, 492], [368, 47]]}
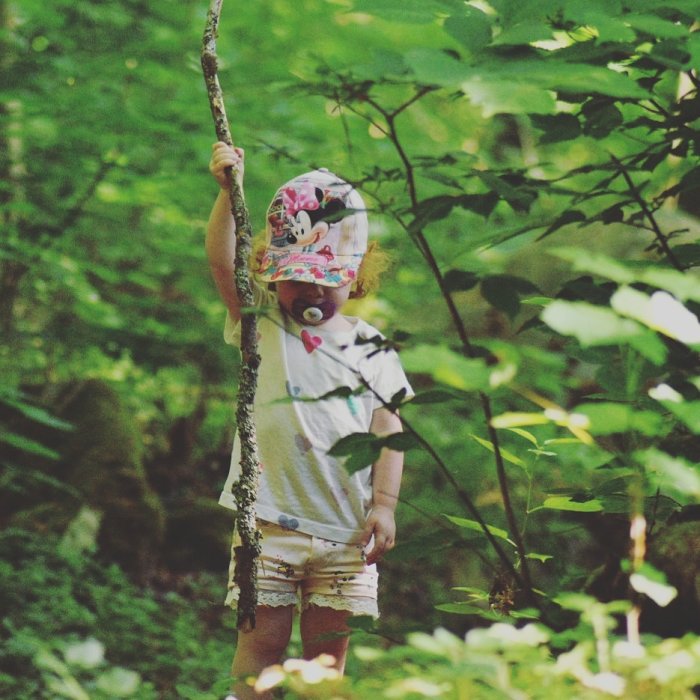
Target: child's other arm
{"points": [[386, 482], [220, 242]]}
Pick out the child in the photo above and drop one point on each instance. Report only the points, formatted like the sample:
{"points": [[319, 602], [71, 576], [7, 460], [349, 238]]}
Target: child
{"points": [[323, 528]]}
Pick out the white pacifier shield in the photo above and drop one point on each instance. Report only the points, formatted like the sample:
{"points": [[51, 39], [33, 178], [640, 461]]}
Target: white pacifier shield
{"points": [[312, 313]]}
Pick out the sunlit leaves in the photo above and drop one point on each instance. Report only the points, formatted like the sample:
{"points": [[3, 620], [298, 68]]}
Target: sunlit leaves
{"points": [[653, 583], [569, 503], [675, 476], [506, 454], [409, 11], [447, 367], [589, 324], [660, 312], [473, 525], [501, 96], [607, 418]]}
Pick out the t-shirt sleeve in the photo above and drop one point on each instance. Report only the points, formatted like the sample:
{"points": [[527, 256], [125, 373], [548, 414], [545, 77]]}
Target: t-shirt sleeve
{"points": [[261, 297]]}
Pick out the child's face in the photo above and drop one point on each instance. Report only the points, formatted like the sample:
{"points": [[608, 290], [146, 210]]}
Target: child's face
{"points": [[311, 304]]}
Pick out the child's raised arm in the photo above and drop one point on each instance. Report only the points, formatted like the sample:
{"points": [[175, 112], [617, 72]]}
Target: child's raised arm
{"points": [[221, 229]]}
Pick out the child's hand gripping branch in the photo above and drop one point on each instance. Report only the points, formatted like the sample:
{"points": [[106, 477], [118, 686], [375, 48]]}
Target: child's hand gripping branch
{"points": [[221, 230]]}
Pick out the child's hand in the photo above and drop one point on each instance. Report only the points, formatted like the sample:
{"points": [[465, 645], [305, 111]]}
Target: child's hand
{"points": [[224, 156], [381, 524]]}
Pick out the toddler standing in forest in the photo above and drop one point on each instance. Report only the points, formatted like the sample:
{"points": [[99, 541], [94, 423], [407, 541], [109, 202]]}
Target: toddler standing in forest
{"points": [[323, 528]]}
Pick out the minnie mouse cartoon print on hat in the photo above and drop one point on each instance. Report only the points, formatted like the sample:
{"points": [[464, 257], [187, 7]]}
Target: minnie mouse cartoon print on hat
{"points": [[316, 231]]}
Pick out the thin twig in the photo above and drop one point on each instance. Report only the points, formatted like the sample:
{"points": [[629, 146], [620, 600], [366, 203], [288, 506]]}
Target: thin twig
{"points": [[429, 257], [658, 233]]}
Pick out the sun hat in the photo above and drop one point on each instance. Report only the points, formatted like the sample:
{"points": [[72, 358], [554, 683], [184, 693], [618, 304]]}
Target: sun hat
{"points": [[316, 231]]}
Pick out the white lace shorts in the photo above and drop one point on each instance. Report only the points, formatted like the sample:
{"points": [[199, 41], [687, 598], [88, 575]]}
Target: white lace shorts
{"points": [[295, 568]]}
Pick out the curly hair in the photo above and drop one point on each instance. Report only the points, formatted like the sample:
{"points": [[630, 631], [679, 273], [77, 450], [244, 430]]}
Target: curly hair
{"points": [[375, 262]]}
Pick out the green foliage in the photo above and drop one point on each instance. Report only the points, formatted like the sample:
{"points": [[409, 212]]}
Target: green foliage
{"points": [[507, 661], [75, 628], [534, 169]]}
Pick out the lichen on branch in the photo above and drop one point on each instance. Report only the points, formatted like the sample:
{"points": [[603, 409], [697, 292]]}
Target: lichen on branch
{"points": [[245, 489]]}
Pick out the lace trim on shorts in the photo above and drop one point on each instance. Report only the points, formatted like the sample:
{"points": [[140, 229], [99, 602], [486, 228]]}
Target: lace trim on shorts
{"points": [[356, 605], [272, 599]]}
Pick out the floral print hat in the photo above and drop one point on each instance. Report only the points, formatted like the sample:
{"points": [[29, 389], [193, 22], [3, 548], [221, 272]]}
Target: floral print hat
{"points": [[316, 231]]}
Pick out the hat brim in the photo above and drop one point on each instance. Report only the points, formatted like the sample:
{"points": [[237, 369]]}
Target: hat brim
{"points": [[313, 268]]}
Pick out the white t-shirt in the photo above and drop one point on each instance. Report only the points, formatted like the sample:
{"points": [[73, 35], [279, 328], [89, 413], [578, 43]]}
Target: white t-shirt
{"points": [[301, 486]]}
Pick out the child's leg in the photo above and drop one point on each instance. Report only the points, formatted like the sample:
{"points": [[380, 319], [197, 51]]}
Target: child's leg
{"points": [[319, 633], [261, 647]]}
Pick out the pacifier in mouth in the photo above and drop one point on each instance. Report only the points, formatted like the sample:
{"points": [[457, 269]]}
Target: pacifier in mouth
{"points": [[313, 312]]}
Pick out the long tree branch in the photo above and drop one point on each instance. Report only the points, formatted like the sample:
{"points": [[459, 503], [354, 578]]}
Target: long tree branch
{"points": [[245, 489], [424, 246]]}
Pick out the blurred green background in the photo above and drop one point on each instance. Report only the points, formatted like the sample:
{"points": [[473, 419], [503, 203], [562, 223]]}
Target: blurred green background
{"points": [[118, 391]]}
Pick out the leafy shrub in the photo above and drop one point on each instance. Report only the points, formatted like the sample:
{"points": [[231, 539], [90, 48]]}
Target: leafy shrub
{"points": [[75, 627]]}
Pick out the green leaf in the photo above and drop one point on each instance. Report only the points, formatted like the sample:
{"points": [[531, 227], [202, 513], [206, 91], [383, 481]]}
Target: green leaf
{"points": [[556, 127], [672, 475], [503, 292], [655, 26], [437, 208], [471, 28], [571, 216], [590, 325], [34, 413], [511, 187], [468, 524], [434, 396], [687, 412], [401, 442], [364, 623], [586, 260], [651, 582], [608, 27], [118, 682], [671, 53], [608, 418], [447, 367], [524, 33], [27, 445], [683, 286], [539, 557], [502, 96], [360, 449], [507, 456], [600, 117], [460, 280], [436, 67], [404, 11], [525, 434], [575, 601], [660, 312], [512, 419], [468, 609], [567, 503]]}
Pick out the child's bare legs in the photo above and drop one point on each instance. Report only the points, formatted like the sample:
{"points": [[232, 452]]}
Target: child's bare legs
{"points": [[318, 625], [261, 647]]}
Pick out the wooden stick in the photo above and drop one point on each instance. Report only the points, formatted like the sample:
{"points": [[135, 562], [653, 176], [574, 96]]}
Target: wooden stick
{"points": [[245, 489]]}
